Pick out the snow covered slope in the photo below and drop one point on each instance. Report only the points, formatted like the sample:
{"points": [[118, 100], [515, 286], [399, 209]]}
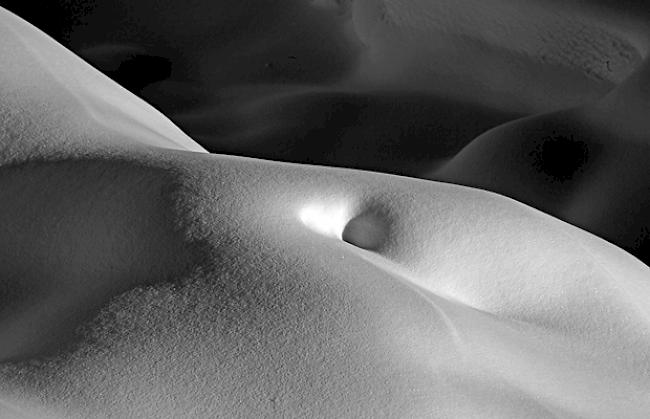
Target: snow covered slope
{"points": [[143, 278]]}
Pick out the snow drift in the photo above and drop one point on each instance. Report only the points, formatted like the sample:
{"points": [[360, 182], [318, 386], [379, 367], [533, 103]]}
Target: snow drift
{"points": [[143, 277]]}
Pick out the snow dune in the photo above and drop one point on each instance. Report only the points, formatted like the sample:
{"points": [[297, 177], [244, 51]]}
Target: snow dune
{"points": [[142, 277]]}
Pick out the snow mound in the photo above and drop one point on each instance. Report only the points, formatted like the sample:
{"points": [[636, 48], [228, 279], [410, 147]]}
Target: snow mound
{"points": [[586, 165]]}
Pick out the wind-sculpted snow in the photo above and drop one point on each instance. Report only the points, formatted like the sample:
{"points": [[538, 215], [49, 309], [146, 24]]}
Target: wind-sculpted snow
{"points": [[141, 277], [412, 88], [586, 165], [42, 84], [471, 303]]}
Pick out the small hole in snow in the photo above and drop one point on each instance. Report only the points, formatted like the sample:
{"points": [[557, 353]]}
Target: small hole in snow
{"points": [[368, 231]]}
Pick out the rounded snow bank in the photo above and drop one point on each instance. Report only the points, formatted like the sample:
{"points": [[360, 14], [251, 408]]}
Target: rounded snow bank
{"points": [[447, 300]]}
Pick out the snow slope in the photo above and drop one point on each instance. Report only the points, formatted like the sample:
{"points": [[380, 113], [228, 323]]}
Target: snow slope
{"points": [[142, 277], [43, 83]]}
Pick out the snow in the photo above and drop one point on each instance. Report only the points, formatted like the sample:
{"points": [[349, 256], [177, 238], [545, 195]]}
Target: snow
{"points": [[143, 277], [585, 165]]}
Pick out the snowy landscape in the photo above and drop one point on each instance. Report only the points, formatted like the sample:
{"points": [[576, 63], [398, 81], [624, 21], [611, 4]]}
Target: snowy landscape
{"points": [[324, 208]]}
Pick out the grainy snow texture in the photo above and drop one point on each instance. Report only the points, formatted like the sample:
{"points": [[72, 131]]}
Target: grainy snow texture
{"points": [[141, 277]]}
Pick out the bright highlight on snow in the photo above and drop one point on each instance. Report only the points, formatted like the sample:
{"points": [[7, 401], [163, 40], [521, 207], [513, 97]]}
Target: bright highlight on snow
{"points": [[325, 219]]}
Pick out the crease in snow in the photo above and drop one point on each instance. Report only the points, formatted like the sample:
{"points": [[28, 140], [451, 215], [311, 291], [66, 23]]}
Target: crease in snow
{"points": [[453, 330], [333, 219], [403, 277]]}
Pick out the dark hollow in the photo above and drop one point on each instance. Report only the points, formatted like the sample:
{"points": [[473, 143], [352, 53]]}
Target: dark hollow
{"points": [[139, 71], [560, 157]]}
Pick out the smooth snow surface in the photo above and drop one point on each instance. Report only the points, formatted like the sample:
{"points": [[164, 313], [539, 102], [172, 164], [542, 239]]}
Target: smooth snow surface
{"points": [[43, 83], [141, 277], [586, 165]]}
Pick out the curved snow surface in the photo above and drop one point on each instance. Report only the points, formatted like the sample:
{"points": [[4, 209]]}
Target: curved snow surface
{"points": [[420, 88], [142, 277]]}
